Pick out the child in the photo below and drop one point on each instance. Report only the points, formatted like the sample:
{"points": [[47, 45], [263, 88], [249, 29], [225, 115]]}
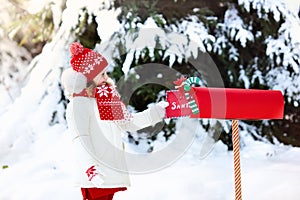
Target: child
{"points": [[96, 117]]}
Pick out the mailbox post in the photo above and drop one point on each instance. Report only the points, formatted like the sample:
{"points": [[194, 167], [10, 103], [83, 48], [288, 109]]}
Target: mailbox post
{"points": [[224, 103]]}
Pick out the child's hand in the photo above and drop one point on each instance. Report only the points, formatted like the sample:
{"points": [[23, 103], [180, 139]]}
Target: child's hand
{"points": [[160, 108], [163, 104], [94, 175]]}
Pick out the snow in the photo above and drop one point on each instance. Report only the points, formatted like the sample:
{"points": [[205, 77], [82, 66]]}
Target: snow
{"points": [[244, 78], [13, 69], [106, 26], [212, 178], [44, 171], [234, 25], [293, 5], [180, 43], [284, 49], [35, 155]]}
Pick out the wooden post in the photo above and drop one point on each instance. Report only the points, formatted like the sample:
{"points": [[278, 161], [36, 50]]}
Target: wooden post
{"points": [[236, 160]]}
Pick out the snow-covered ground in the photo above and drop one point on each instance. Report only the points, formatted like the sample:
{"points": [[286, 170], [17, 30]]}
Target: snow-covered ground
{"points": [[45, 171], [263, 177]]}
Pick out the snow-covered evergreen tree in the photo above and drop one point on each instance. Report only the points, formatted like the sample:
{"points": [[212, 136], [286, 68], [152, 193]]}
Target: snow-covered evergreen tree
{"points": [[253, 43]]}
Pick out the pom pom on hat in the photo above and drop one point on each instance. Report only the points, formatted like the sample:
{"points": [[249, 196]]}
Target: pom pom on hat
{"points": [[76, 48], [72, 81]]}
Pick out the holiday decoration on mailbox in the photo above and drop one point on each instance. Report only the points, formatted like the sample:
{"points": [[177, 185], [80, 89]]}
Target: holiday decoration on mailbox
{"points": [[224, 103]]}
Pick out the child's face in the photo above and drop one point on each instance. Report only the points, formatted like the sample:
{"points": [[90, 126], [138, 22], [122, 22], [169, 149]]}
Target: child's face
{"points": [[101, 78]]}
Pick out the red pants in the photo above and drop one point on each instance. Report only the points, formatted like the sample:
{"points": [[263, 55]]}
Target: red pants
{"points": [[100, 193]]}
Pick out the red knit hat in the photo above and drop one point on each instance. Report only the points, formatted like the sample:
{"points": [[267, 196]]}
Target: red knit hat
{"points": [[86, 61], [86, 65]]}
